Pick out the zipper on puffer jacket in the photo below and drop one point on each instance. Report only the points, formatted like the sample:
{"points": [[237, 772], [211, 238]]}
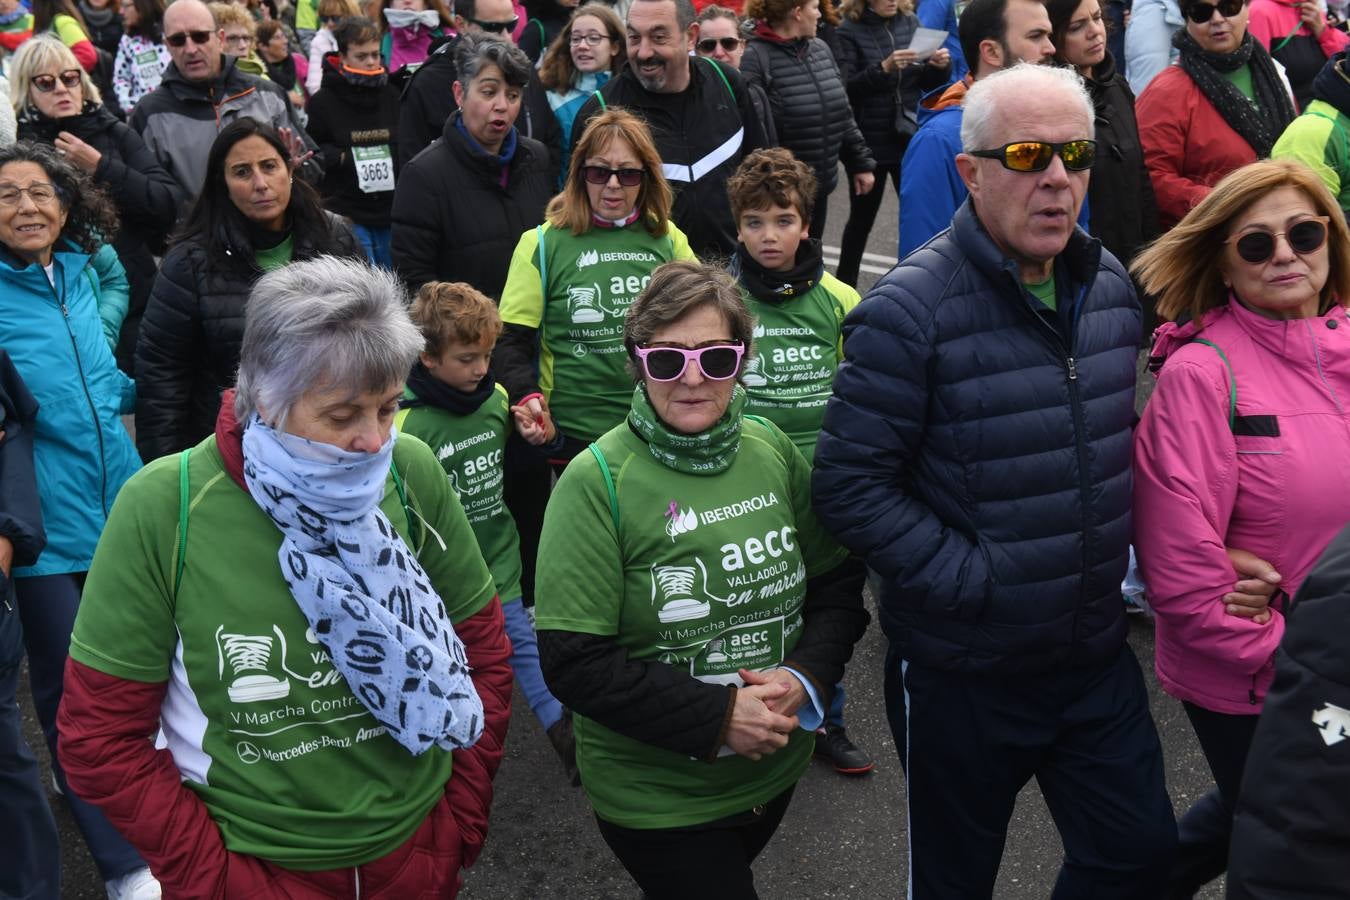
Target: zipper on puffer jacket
{"points": [[356, 882], [84, 385]]}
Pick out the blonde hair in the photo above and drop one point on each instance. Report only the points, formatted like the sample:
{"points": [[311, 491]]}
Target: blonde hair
{"points": [[853, 9], [36, 54], [572, 208], [454, 312], [232, 15], [1183, 268], [344, 9]]}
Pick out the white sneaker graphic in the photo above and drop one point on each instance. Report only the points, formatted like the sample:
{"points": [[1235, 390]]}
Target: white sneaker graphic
{"points": [[248, 654], [753, 376], [676, 584], [584, 302]]}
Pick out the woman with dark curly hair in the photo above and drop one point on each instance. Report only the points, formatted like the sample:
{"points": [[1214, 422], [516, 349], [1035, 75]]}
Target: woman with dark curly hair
{"points": [[52, 218], [250, 218]]}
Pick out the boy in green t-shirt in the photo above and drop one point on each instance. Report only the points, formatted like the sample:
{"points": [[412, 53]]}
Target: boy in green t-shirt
{"points": [[454, 404], [799, 308]]}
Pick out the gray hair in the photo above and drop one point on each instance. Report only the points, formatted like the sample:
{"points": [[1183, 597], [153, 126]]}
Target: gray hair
{"points": [[475, 50], [328, 324], [1024, 79], [677, 289], [685, 13]]}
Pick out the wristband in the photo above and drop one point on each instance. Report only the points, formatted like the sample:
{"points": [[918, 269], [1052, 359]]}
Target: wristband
{"points": [[528, 397]]}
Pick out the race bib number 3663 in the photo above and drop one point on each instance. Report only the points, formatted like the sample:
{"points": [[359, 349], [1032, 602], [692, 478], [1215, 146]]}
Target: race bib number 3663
{"points": [[374, 168]]}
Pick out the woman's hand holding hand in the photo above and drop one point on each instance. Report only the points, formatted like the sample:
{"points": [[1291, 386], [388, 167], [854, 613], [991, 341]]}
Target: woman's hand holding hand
{"points": [[1258, 582], [755, 729], [788, 704], [534, 423], [941, 58], [77, 151]]}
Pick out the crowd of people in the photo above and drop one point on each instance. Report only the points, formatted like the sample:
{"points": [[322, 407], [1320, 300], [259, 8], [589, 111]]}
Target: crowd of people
{"points": [[360, 362]]}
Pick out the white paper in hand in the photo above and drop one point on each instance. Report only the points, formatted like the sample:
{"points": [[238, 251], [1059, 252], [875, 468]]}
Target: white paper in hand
{"points": [[926, 41]]}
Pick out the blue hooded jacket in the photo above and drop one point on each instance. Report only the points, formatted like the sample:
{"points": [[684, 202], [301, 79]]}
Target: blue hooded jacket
{"points": [[81, 452]]}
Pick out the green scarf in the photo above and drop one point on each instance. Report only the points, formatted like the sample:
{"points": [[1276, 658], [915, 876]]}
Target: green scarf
{"points": [[707, 453]]}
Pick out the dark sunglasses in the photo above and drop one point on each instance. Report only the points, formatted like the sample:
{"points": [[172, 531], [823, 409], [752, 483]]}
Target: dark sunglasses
{"points": [[1306, 236], [1200, 13], [601, 175], [47, 83], [1035, 156], [717, 362], [497, 27], [326, 19], [181, 38], [708, 45]]}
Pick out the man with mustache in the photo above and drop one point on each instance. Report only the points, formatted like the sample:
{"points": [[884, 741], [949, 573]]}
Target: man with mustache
{"points": [[699, 112]]}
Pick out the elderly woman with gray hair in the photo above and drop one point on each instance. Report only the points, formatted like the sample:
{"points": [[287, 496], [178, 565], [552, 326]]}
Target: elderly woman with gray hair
{"points": [[299, 603], [690, 608]]}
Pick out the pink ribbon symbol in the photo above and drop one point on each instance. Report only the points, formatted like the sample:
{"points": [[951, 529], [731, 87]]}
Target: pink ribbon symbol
{"points": [[674, 509]]}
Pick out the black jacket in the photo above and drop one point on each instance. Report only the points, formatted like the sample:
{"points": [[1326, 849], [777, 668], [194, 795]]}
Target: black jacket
{"points": [[20, 511], [1120, 194], [454, 221], [194, 324], [343, 115], [428, 101], [146, 196], [547, 19], [701, 134], [979, 459], [1291, 833], [872, 91], [810, 106]]}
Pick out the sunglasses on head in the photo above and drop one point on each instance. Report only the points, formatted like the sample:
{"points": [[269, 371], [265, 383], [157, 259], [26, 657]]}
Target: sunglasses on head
{"points": [[717, 362], [708, 45], [601, 175], [47, 83], [1303, 237], [181, 38], [1035, 156], [1200, 13], [497, 27]]}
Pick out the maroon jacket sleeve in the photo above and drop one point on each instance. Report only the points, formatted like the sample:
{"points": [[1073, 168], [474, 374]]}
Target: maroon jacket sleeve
{"points": [[106, 726], [470, 787]]}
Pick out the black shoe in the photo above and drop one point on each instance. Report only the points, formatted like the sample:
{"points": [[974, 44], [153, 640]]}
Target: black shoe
{"points": [[832, 743], [565, 745]]}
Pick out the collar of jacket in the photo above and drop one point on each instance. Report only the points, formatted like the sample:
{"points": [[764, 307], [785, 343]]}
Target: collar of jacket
{"points": [[490, 164], [69, 263], [1102, 73], [1286, 339], [628, 91], [1332, 84], [91, 120], [230, 81], [1080, 257]]}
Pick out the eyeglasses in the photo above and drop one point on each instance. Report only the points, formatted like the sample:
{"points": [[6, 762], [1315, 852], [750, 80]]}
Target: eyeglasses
{"points": [[708, 45], [41, 194], [330, 20], [601, 175], [47, 83], [1303, 237], [181, 38], [717, 362], [244, 39], [593, 39], [497, 27], [1035, 156], [1200, 13]]}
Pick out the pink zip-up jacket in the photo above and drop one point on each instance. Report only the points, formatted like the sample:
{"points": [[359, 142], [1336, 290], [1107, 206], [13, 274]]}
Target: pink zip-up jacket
{"points": [[1277, 484]]}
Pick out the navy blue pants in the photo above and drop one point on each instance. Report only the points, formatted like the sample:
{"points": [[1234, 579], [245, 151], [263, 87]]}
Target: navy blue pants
{"points": [[47, 605], [971, 742]]}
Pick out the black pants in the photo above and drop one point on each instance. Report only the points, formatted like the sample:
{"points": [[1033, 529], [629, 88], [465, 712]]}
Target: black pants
{"points": [[1204, 831], [820, 212], [526, 484], [972, 741], [862, 213], [709, 861]]}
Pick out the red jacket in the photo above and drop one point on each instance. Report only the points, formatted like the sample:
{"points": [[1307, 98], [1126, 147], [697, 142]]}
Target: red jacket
{"points": [[1188, 147]]}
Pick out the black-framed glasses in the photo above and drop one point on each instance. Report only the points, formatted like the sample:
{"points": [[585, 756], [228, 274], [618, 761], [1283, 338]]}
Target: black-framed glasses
{"points": [[1200, 13], [41, 194], [707, 45], [181, 38], [601, 175], [717, 362], [1035, 156], [1305, 236], [497, 27], [592, 40], [47, 83]]}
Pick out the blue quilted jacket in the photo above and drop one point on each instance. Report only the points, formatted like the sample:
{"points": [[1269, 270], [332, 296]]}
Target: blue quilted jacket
{"points": [[979, 462]]}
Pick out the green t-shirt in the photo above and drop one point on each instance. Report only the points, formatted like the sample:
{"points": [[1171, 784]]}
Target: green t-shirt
{"points": [[1044, 291], [263, 728], [592, 279], [1320, 139], [798, 346], [1241, 78], [707, 573], [275, 257], [469, 449]]}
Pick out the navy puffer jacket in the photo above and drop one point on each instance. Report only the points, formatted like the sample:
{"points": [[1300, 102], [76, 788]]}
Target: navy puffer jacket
{"points": [[982, 465]]}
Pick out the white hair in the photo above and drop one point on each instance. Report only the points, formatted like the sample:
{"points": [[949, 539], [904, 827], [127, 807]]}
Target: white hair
{"points": [[1046, 83], [326, 323]]}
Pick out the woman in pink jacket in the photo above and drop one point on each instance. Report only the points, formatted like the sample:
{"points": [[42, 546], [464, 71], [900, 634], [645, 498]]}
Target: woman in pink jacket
{"points": [[1241, 446]]}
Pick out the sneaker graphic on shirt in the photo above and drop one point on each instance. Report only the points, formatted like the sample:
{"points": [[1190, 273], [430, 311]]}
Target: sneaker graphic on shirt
{"points": [[250, 661], [584, 304], [753, 376], [1333, 723], [673, 589]]}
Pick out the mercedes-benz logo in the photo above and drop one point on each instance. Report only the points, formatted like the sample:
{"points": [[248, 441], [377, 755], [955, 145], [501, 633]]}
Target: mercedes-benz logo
{"points": [[248, 753]]}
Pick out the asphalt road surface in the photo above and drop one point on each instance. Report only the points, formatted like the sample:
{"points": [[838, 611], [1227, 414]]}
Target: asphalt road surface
{"points": [[842, 837]]}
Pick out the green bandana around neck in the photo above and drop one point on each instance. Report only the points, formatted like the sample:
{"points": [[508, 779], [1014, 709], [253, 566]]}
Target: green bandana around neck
{"points": [[709, 452]]}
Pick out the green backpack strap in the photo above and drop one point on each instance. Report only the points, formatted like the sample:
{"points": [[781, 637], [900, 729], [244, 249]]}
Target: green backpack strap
{"points": [[1232, 381], [601, 98], [609, 485], [722, 75], [184, 498], [543, 262], [543, 37]]}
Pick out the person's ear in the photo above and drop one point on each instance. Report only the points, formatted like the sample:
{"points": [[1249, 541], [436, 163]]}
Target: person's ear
{"points": [[220, 36], [970, 173], [427, 359], [991, 55], [692, 35], [458, 90]]}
